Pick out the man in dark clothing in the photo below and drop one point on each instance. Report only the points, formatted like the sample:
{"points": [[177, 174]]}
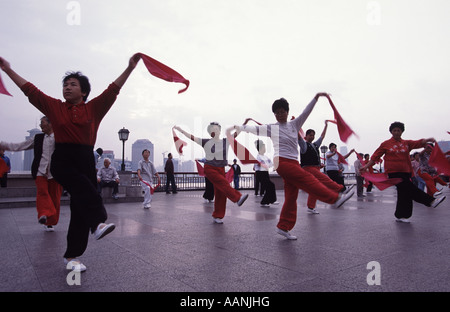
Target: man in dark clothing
{"points": [[168, 168]]}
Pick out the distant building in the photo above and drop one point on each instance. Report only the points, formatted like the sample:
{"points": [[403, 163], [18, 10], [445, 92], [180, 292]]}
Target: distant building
{"points": [[136, 152]]}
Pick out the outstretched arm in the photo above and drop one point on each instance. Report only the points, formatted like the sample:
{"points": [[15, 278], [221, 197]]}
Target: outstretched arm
{"points": [[120, 81], [16, 78], [188, 135], [300, 120], [324, 130]]}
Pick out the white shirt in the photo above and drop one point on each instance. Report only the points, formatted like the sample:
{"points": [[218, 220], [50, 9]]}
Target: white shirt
{"points": [[147, 170], [264, 160], [48, 146], [332, 162], [283, 135]]}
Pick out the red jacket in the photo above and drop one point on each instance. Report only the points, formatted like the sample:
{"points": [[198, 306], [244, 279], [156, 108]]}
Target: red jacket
{"points": [[396, 153], [76, 124]]}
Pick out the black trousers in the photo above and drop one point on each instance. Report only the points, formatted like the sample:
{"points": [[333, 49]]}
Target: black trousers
{"points": [[406, 193], [209, 190], [113, 184], [337, 177], [270, 195], [258, 185], [73, 167], [171, 180]]}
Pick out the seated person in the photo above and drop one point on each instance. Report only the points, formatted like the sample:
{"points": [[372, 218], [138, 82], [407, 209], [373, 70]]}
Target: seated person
{"points": [[108, 176]]}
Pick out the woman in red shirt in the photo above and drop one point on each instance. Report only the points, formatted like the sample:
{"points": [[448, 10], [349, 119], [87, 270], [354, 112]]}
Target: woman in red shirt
{"points": [[397, 164], [75, 124]]}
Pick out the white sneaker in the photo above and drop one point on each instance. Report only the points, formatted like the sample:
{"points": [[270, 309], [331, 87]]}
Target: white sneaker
{"points": [[312, 211], [218, 220], [74, 265], [348, 189], [403, 220], [435, 195], [103, 229], [437, 201], [242, 199], [265, 205], [49, 228], [286, 234], [342, 199]]}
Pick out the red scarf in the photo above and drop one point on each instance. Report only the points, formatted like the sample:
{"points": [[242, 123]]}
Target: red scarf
{"points": [[3, 89], [200, 169], [179, 143], [162, 71], [201, 172], [344, 130], [152, 189], [241, 152], [380, 180], [437, 159]]}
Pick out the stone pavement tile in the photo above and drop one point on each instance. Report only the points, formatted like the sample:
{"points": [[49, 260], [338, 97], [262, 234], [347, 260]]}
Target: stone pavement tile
{"points": [[175, 247]]}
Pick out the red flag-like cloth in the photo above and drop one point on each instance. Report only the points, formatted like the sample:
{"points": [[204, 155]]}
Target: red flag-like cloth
{"points": [[179, 143], [200, 169], [241, 152], [201, 172], [2, 88], [341, 159], [3, 167], [381, 180], [439, 161], [162, 71], [344, 130], [152, 189], [230, 175]]}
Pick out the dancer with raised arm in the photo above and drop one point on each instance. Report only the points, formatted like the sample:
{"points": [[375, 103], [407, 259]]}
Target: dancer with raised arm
{"points": [[75, 124], [216, 150], [397, 165], [286, 162]]}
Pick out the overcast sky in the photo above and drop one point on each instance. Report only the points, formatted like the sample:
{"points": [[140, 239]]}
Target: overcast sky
{"points": [[382, 61]]}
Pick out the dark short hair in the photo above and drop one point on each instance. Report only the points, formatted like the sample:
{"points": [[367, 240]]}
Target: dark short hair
{"points": [[83, 80], [309, 131], [397, 124], [331, 145], [280, 103], [145, 150], [211, 125], [258, 144]]}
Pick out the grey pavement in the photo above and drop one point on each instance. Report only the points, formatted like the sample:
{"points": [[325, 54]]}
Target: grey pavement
{"points": [[175, 247]]}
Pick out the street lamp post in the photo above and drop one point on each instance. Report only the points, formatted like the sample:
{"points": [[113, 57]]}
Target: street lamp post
{"points": [[324, 149], [123, 136]]}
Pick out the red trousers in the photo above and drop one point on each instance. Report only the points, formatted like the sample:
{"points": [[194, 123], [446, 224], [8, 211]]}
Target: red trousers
{"points": [[431, 181], [296, 178], [222, 190], [325, 180], [48, 199]]}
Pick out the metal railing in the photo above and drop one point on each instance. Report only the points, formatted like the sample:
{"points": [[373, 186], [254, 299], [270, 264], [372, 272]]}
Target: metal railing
{"points": [[189, 181]]}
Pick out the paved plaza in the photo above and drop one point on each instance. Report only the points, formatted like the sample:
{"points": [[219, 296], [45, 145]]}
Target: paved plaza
{"points": [[176, 247]]}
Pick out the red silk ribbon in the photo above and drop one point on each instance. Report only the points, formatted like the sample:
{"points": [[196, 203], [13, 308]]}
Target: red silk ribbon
{"points": [[162, 71], [439, 161], [343, 128], [2, 88], [179, 143]]}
